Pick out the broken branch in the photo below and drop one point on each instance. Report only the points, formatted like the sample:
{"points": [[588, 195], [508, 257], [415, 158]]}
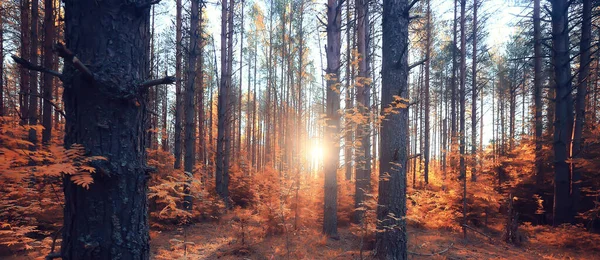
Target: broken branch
{"points": [[70, 56], [412, 66], [154, 82], [30, 66]]}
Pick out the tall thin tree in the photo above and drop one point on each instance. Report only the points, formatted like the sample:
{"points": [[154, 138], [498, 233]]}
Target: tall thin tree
{"points": [[331, 160], [391, 210]]}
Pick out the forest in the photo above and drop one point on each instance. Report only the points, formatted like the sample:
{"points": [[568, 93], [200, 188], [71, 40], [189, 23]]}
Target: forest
{"points": [[299, 129]]}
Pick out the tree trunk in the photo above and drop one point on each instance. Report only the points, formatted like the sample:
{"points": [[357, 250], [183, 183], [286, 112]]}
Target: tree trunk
{"points": [[331, 160], [391, 225], [2, 59], [537, 93], [584, 72], [462, 95], [33, 75], [363, 91], [48, 63], [222, 169], [254, 106], [110, 219], [348, 100], [178, 91], [200, 94], [474, 98], [426, 90], [190, 126], [563, 123], [239, 105], [24, 73]]}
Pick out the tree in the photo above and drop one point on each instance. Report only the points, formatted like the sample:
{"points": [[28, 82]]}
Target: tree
{"points": [[363, 92], [332, 50], [462, 94], [33, 75], [2, 12], [474, 97], [537, 92], [178, 75], [348, 103], [222, 161], [391, 225], [105, 114], [580, 100], [49, 32], [190, 126], [426, 91], [563, 116], [24, 52]]}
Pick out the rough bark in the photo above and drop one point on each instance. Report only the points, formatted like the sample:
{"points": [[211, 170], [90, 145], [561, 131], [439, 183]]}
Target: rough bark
{"points": [[462, 94], [563, 122], [391, 238], [48, 63], [222, 167], [363, 92], [106, 115], [33, 75], [190, 110], [537, 92], [1, 59], [332, 133], [580, 106], [178, 83], [23, 72], [474, 97], [348, 100], [426, 93]]}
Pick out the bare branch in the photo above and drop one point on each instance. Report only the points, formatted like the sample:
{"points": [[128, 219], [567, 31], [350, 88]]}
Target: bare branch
{"points": [[412, 66], [30, 66], [70, 56], [154, 82]]}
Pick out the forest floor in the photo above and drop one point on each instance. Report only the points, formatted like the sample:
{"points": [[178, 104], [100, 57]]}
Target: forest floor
{"points": [[210, 241], [224, 241]]}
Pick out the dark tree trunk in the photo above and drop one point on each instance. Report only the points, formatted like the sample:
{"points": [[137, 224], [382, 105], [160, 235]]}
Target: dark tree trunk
{"points": [[563, 123], [474, 98], [348, 100], [200, 95], [239, 103], [178, 91], [48, 63], [1, 59], [256, 140], [426, 93], [462, 95], [391, 238], [24, 73], [33, 75], [537, 92], [222, 169], [106, 115], [331, 160], [190, 110], [453, 111], [580, 113], [363, 91]]}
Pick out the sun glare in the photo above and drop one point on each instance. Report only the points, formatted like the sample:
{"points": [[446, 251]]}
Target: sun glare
{"points": [[315, 154]]}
